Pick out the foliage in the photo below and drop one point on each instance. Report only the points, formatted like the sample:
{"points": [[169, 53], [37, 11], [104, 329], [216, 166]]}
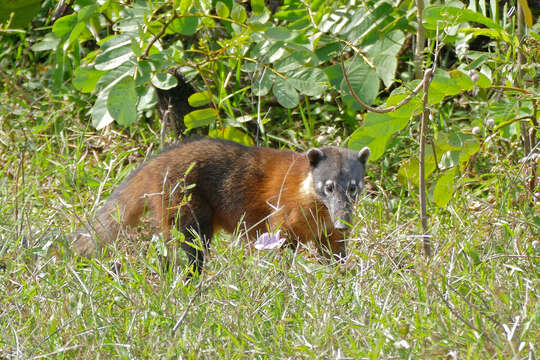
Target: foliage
{"points": [[273, 75], [478, 298]]}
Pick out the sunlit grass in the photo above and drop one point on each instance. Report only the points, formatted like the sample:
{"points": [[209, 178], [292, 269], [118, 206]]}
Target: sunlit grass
{"points": [[476, 298]]}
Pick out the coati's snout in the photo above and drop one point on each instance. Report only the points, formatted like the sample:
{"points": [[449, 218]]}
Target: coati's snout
{"points": [[338, 179]]}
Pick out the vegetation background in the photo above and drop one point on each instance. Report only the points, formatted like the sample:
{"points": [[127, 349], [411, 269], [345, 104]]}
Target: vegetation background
{"points": [[89, 89]]}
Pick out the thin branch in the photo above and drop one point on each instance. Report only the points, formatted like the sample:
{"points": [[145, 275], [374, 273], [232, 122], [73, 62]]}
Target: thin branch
{"points": [[372, 109], [428, 75], [158, 35]]}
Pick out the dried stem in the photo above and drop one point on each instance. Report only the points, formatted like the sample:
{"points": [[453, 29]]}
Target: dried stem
{"points": [[428, 75], [372, 109]]}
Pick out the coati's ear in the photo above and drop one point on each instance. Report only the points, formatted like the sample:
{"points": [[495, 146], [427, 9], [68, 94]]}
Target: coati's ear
{"points": [[314, 156], [363, 155]]}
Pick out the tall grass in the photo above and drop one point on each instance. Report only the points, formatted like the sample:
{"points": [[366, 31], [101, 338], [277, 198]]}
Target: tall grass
{"points": [[477, 298]]}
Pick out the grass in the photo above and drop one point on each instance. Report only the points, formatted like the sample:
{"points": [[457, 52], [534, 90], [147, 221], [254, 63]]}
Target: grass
{"points": [[477, 298]]}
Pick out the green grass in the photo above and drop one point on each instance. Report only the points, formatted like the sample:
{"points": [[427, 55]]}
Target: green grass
{"points": [[477, 298]]}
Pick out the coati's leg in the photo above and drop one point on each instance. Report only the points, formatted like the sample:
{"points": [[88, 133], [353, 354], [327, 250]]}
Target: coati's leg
{"points": [[193, 219], [196, 224]]}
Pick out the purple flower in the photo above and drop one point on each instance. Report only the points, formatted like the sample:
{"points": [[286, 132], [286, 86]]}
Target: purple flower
{"points": [[269, 241]]}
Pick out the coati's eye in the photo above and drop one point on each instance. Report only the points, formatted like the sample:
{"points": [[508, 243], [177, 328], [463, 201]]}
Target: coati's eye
{"points": [[329, 187], [352, 189]]}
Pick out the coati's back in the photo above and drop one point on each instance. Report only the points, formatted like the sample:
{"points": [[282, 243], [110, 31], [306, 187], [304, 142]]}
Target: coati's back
{"points": [[225, 175]]}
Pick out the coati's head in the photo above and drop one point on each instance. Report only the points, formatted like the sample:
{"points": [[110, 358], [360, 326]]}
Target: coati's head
{"points": [[338, 179]]}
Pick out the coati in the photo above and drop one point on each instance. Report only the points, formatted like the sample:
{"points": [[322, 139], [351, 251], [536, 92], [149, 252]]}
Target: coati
{"points": [[308, 196]]}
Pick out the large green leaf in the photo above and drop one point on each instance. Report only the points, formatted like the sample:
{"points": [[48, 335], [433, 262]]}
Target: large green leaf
{"points": [[309, 81], [410, 170], [233, 134], [122, 101], [99, 112], [23, 12], [147, 98], [85, 79], [49, 42], [443, 15], [285, 93], [377, 144], [64, 25], [263, 83], [363, 79], [164, 81], [444, 189], [185, 26], [199, 118], [377, 130], [201, 98], [383, 54], [115, 51]]}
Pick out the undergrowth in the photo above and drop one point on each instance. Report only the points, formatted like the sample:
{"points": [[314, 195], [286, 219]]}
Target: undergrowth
{"points": [[477, 298]]}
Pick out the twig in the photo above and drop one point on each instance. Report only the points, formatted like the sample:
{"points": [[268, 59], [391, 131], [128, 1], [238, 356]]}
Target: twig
{"points": [[428, 74], [158, 35], [368, 107]]}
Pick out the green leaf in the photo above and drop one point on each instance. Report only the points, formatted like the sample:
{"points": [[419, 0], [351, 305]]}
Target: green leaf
{"points": [[377, 144], [263, 83], [410, 170], [64, 25], [364, 80], [116, 51], [100, 115], [147, 98], [238, 13], [462, 80], [185, 26], [443, 15], [386, 66], [285, 94], [122, 101], [85, 79], [279, 33], [201, 98], [222, 9], [384, 52], [87, 12], [257, 6], [50, 42], [233, 134], [164, 81], [23, 12], [377, 130], [444, 189], [483, 82], [199, 118], [111, 77], [309, 81], [444, 85], [292, 62]]}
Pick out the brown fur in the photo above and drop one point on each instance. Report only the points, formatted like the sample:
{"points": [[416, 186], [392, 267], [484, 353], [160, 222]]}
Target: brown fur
{"points": [[260, 186]]}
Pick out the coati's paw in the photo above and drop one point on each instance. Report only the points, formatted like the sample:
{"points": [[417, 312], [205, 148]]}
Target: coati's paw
{"points": [[83, 243]]}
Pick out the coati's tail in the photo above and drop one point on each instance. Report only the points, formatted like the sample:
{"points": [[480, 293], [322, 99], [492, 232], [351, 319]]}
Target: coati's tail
{"points": [[123, 208]]}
